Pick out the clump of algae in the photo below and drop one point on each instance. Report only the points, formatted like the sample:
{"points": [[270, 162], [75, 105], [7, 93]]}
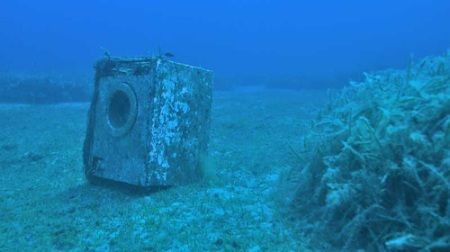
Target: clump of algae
{"points": [[208, 170], [377, 169]]}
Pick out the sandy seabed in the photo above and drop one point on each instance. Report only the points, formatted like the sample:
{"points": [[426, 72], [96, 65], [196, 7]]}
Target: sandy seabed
{"points": [[46, 203]]}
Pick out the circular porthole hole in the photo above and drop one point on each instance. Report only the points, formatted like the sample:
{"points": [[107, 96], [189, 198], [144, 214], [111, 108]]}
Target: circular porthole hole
{"points": [[119, 109]]}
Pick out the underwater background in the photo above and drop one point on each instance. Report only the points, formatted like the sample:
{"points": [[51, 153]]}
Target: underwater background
{"points": [[330, 126]]}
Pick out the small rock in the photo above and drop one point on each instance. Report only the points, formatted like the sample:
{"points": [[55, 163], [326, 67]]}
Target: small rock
{"points": [[241, 191], [103, 247], [149, 200], [219, 193], [251, 183], [267, 192], [255, 248], [176, 205], [235, 245], [218, 242], [69, 210], [272, 178], [32, 157], [266, 226], [219, 212], [9, 147]]}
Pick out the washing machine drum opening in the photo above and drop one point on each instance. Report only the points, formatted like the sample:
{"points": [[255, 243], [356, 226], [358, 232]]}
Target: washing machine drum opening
{"points": [[122, 110], [119, 109]]}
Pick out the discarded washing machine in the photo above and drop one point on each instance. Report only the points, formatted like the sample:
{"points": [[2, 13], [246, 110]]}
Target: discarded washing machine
{"points": [[148, 122]]}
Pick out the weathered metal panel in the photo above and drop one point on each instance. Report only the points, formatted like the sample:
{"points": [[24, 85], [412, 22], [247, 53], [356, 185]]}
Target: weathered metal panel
{"points": [[148, 122]]}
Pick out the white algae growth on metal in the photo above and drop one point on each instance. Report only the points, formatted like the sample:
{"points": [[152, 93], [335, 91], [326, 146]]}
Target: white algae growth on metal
{"points": [[149, 122]]}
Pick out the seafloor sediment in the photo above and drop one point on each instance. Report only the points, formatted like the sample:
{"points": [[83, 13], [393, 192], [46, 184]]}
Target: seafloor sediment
{"points": [[46, 204]]}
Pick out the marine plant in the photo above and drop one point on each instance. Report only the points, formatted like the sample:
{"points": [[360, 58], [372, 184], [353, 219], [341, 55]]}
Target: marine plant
{"points": [[376, 173]]}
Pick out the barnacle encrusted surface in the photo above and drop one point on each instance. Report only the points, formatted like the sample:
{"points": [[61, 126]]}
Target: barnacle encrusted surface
{"points": [[377, 167]]}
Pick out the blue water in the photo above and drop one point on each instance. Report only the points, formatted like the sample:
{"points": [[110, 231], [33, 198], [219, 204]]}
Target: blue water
{"points": [[281, 43], [296, 160]]}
